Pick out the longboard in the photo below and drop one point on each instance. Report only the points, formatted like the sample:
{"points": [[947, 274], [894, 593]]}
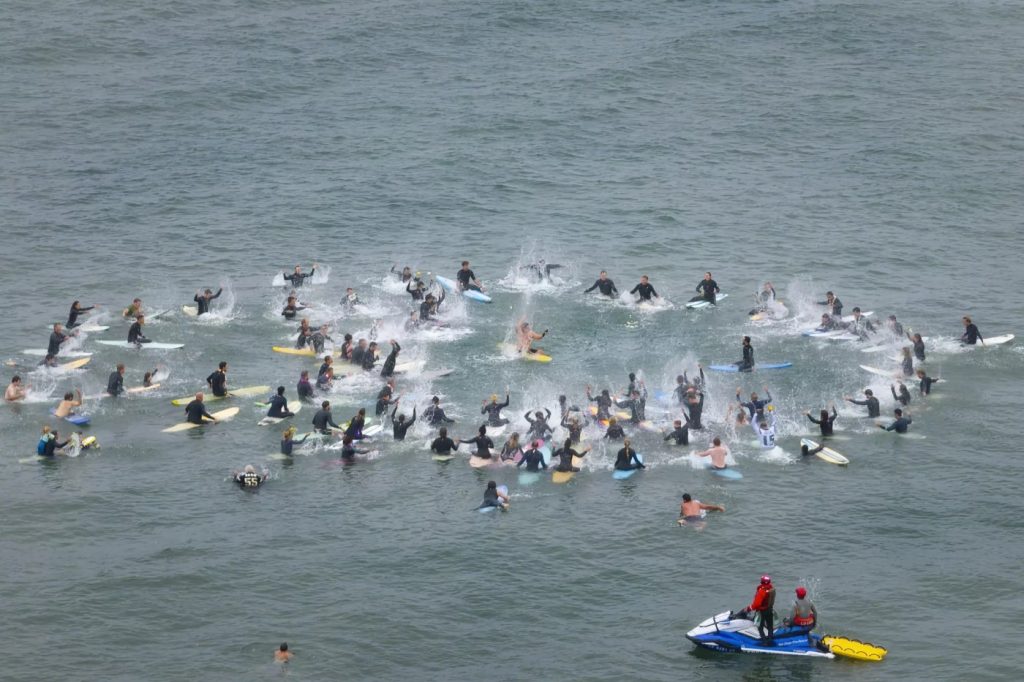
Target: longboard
{"points": [[222, 415], [697, 305], [510, 349], [293, 407], [243, 392], [623, 474], [153, 345], [566, 476], [472, 294], [827, 454], [765, 365]]}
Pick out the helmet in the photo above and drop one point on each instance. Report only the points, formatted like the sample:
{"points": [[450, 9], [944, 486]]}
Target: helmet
{"points": [[801, 592], [766, 580]]}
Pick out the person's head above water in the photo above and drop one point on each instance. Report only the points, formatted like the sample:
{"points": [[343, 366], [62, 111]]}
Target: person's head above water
{"points": [[687, 498]]}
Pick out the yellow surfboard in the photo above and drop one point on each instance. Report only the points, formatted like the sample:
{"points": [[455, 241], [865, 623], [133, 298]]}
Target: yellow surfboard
{"points": [[222, 415], [510, 349], [305, 352], [566, 476], [852, 648], [76, 364]]}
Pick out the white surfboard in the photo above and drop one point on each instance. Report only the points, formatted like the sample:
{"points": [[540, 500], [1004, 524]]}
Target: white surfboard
{"points": [[697, 305], [153, 345]]}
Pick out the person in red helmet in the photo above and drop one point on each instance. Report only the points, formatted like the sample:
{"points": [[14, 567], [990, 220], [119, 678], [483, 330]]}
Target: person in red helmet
{"points": [[764, 602], [803, 615]]}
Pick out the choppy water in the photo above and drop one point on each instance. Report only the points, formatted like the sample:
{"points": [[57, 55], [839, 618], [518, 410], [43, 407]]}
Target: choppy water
{"points": [[151, 149]]}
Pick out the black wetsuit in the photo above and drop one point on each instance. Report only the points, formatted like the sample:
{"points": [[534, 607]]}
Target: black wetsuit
{"points": [[317, 340], [56, 339], [115, 384], [297, 278], [290, 311], [971, 335], [368, 360], [217, 382], [900, 425], [383, 401], [754, 405], [694, 412], [50, 447], [533, 459], [646, 291], [903, 397], [203, 302], [708, 288], [355, 428], [926, 385], [415, 292], [356, 358], [614, 432], [195, 411], [681, 435], [73, 316], [627, 460], [389, 363], [539, 427], [872, 403], [565, 456], [322, 419], [747, 363], [443, 446], [919, 349], [305, 389], [483, 446], [837, 306], [465, 279], [604, 406], [305, 334], [575, 430], [135, 334], [824, 425], [493, 412], [637, 408], [606, 287], [287, 444], [278, 407], [435, 415], [399, 428]]}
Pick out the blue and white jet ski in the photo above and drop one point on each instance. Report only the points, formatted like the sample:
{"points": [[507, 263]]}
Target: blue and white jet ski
{"points": [[737, 633]]}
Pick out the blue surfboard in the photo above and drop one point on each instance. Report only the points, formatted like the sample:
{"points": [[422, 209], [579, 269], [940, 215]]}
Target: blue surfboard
{"points": [[623, 474], [473, 294], [76, 419], [503, 489], [766, 365]]}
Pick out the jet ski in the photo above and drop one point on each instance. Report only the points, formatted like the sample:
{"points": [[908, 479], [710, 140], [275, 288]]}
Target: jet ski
{"points": [[737, 633]]}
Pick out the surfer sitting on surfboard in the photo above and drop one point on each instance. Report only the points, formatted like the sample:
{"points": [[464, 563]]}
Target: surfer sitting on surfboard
{"points": [[443, 445], [565, 455], [645, 290], [525, 336], [708, 289], [626, 459], [467, 279], [195, 411]]}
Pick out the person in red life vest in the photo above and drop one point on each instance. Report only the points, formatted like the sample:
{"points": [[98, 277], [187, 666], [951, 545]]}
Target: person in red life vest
{"points": [[764, 602], [803, 615]]}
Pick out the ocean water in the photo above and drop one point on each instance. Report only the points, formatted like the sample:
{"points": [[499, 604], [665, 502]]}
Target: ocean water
{"points": [[149, 149]]}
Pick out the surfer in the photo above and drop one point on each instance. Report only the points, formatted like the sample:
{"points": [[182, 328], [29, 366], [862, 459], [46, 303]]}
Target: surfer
{"points": [[443, 445], [717, 452], [147, 378], [115, 382], [248, 478], [279, 405], [511, 449], [346, 348], [691, 510], [627, 459], [833, 302], [680, 433], [926, 382], [400, 427], [322, 420], [824, 421], [828, 323], [806, 451], [644, 290], [298, 277], [430, 305], [894, 327], [218, 380], [971, 335], [565, 455], [467, 279], [384, 398], [195, 411], [494, 497], [66, 407], [318, 338], [539, 427], [763, 299], [57, 339], [694, 407], [135, 334], [203, 299], [603, 284], [747, 363], [900, 424], [903, 397], [359, 351], [133, 310], [869, 400], [349, 451], [282, 655], [49, 444], [533, 458], [636, 403], [764, 429], [493, 410], [292, 307], [572, 424], [860, 325], [755, 404], [416, 288], [369, 358], [907, 362], [434, 414], [305, 332], [614, 430], [543, 270], [388, 369], [75, 311], [355, 425], [603, 401], [288, 441], [525, 336], [918, 342], [405, 276], [304, 388], [483, 443], [15, 391], [707, 288]]}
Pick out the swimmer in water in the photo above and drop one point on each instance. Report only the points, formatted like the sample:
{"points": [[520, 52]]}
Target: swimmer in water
{"points": [[248, 478], [717, 452], [282, 655], [15, 391], [692, 511]]}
